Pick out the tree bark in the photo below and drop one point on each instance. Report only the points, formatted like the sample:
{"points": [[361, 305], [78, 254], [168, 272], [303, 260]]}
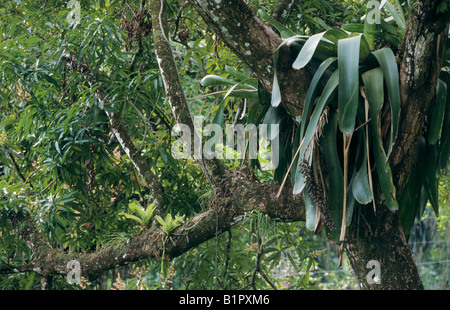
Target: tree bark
{"points": [[380, 238], [254, 43]]}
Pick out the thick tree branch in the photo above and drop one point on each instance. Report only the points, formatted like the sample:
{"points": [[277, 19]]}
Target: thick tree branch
{"points": [[235, 195], [254, 43], [228, 208], [138, 161]]}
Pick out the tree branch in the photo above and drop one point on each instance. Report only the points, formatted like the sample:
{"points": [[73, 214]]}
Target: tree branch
{"points": [[282, 9], [254, 43], [122, 137], [227, 209], [172, 84]]}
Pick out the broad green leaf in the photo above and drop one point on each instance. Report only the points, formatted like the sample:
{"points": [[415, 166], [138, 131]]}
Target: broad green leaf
{"points": [[149, 212], [310, 211], [431, 181], [387, 27], [354, 27], [364, 48], [160, 220], [215, 80], [307, 52], [409, 204], [395, 41], [348, 63], [218, 117], [313, 90], [388, 65], [369, 26], [374, 86], [135, 207], [276, 92], [236, 74], [274, 116], [398, 17], [322, 23], [360, 185], [335, 34], [132, 217]]}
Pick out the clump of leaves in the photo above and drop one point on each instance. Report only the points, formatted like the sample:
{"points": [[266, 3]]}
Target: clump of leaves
{"points": [[144, 215], [169, 223]]}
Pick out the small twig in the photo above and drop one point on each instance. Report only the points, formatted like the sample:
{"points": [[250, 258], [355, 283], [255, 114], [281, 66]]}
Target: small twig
{"points": [[363, 124], [222, 92], [258, 267]]}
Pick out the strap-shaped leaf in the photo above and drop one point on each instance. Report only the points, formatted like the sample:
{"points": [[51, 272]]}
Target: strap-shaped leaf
{"points": [[310, 211], [215, 80], [444, 144], [398, 17], [348, 61], [321, 46], [388, 65], [335, 34], [437, 112], [409, 204], [360, 184], [336, 178], [307, 52], [274, 116], [374, 86], [431, 181], [353, 27], [369, 26], [306, 144], [312, 92], [276, 92]]}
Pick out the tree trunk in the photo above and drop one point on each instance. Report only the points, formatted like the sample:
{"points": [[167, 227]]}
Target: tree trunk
{"points": [[379, 253]]}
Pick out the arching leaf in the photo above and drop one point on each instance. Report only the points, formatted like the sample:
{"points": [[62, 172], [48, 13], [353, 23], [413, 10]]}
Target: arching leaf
{"points": [[374, 86], [307, 52], [348, 62], [306, 141], [388, 65], [437, 112]]}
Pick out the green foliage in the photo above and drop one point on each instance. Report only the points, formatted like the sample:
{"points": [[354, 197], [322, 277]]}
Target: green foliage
{"points": [[144, 217], [377, 70], [169, 223], [61, 163]]}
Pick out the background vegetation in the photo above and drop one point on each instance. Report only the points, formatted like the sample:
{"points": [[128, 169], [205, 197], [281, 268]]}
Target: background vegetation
{"points": [[60, 162]]}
